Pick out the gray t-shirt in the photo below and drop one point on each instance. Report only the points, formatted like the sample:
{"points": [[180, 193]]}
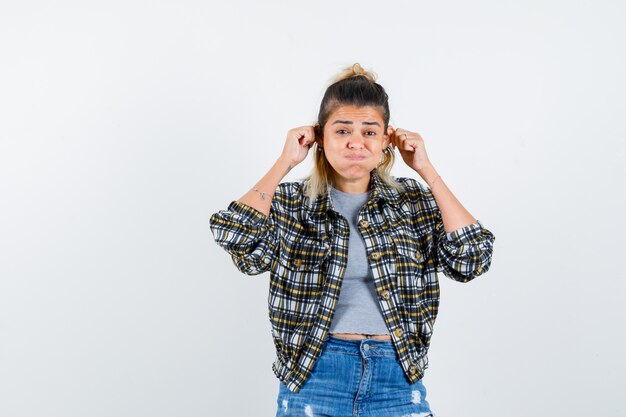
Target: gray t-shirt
{"points": [[357, 310]]}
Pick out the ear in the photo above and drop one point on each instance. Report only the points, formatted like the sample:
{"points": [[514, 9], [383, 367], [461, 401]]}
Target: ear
{"points": [[319, 137], [387, 138]]}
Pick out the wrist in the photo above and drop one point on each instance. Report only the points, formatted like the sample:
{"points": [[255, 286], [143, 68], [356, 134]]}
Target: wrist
{"points": [[429, 175], [284, 164]]}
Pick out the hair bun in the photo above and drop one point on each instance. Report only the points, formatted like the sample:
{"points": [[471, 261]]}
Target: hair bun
{"points": [[355, 70]]}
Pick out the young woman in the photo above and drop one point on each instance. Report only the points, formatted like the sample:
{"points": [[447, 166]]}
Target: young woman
{"points": [[353, 255]]}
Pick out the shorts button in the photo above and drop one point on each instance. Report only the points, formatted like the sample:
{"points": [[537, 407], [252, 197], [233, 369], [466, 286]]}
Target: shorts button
{"points": [[366, 347]]}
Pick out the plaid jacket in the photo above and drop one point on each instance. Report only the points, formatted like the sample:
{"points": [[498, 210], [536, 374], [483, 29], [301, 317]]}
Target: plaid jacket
{"points": [[305, 249]]}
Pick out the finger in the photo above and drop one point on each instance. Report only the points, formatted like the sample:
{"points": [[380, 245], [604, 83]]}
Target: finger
{"points": [[409, 139], [401, 135], [310, 137], [304, 134], [308, 142], [311, 140], [305, 131], [401, 138], [409, 145], [305, 142]]}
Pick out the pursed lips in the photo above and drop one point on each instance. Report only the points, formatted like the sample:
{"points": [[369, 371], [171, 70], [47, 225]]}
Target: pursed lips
{"points": [[355, 157]]}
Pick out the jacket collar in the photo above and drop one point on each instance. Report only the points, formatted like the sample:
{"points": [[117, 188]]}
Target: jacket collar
{"points": [[379, 192]]}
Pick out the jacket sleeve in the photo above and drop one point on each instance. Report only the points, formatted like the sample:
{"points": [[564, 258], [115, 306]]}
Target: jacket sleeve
{"points": [[461, 254], [247, 235], [464, 253]]}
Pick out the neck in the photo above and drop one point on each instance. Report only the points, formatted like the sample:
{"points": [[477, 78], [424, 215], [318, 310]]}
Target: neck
{"points": [[357, 186]]}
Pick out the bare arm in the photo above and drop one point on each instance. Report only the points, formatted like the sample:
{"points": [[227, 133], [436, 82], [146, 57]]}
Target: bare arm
{"points": [[453, 214], [464, 246], [411, 147], [260, 196], [296, 148]]}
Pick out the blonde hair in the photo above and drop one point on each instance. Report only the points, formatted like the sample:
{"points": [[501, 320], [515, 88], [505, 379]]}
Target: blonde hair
{"points": [[352, 86], [355, 69]]}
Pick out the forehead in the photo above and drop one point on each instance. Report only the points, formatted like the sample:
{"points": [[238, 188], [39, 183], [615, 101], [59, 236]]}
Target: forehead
{"points": [[356, 114]]}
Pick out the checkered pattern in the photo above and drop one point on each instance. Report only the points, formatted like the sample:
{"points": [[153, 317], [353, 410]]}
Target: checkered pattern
{"points": [[305, 249]]}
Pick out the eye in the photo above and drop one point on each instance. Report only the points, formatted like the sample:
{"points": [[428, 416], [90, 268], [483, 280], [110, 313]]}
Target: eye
{"points": [[341, 130], [371, 133]]}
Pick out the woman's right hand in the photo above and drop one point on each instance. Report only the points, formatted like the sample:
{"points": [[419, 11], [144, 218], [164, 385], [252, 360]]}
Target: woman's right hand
{"points": [[299, 141]]}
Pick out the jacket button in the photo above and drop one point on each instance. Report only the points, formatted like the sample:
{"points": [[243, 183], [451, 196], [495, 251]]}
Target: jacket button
{"points": [[385, 294], [364, 224], [412, 370], [375, 255], [398, 331], [297, 263], [418, 255]]}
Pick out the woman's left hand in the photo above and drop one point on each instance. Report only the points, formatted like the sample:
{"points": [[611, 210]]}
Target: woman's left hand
{"points": [[411, 147]]}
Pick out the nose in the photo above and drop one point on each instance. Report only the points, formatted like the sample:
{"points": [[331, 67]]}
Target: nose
{"points": [[356, 141]]}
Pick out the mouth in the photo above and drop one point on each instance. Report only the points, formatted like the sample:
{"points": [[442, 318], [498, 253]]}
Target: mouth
{"points": [[355, 157]]}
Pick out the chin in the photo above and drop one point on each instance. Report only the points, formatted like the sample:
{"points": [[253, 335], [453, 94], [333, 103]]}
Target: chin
{"points": [[354, 173]]}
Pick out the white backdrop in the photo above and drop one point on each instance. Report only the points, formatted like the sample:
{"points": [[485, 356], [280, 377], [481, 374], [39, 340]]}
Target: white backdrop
{"points": [[124, 125]]}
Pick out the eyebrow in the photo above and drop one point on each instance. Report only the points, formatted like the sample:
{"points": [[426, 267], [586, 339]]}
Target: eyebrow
{"points": [[349, 122]]}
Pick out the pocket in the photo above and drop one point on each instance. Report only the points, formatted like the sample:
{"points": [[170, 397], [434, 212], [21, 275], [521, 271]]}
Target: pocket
{"points": [[304, 255], [410, 263], [298, 276], [406, 246], [416, 247]]}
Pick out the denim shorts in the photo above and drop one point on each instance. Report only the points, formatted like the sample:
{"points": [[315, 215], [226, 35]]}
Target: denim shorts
{"points": [[355, 378]]}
